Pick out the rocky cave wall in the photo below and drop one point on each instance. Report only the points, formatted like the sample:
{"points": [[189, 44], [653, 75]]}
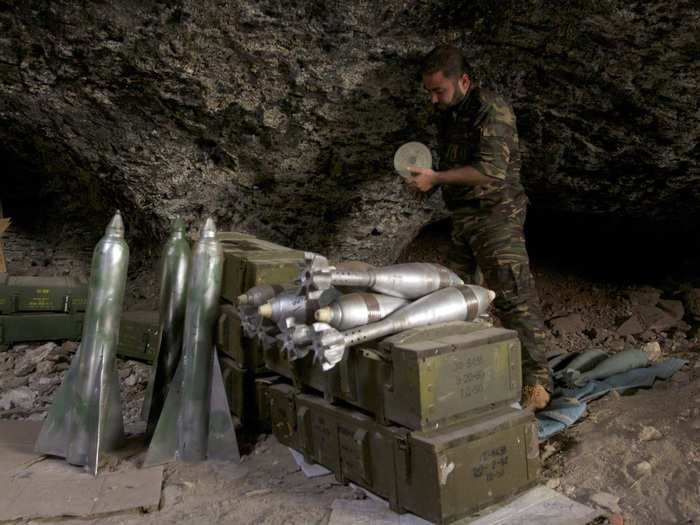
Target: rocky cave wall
{"points": [[281, 119]]}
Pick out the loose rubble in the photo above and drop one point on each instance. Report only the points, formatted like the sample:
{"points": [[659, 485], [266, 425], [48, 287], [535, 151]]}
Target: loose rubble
{"points": [[31, 373]]}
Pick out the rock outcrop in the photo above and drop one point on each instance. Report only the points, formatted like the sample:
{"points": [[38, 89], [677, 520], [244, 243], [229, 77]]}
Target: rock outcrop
{"points": [[281, 119]]}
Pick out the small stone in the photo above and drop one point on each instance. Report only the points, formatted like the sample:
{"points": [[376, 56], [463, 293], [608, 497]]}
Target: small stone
{"points": [[172, 495], [45, 368], [21, 397], [131, 380], [553, 483], [615, 344], [654, 318], [567, 324], [646, 297], [606, 500], [680, 377], [258, 492], [642, 468], [6, 362], [653, 350], [630, 327], [11, 381], [41, 353], [68, 348], [24, 367], [649, 434], [548, 451], [124, 373], [673, 308], [691, 300]]}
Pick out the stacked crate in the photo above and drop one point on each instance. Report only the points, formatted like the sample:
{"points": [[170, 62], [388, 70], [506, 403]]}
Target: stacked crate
{"points": [[248, 261], [41, 308], [422, 418]]}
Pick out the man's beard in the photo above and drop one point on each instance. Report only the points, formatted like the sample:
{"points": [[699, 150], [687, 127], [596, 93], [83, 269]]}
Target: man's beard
{"points": [[457, 97]]}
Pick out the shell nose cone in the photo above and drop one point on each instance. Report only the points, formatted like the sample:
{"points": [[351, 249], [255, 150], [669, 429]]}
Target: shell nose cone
{"points": [[116, 225], [265, 310], [178, 226], [209, 229], [324, 315], [492, 295]]}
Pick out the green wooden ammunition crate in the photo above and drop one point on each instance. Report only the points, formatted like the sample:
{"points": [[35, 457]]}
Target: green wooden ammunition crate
{"points": [[245, 351], [246, 393], [439, 475], [42, 294], [45, 326], [138, 335], [240, 391], [419, 378], [249, 261], [262, 399], [451, 473]]}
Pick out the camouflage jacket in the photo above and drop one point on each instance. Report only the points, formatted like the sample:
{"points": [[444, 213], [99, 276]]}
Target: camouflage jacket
{"points": [[480, 132]]}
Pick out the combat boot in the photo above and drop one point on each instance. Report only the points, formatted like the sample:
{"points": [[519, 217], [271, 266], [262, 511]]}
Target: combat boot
{"points": [[537, 385]]}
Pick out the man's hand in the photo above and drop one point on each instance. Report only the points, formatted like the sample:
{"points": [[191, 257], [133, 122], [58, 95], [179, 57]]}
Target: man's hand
{"points": [[424, 180]]}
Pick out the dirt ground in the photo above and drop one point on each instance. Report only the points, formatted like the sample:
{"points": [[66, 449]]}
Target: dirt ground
{"points": [[637, 454]]}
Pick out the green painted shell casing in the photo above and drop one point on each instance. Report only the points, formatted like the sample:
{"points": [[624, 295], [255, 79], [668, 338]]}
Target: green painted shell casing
{"points": [[175, 262], [85, 419]]}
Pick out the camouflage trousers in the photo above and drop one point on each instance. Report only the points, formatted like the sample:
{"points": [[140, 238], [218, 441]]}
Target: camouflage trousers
{"points": [[489, 249]]}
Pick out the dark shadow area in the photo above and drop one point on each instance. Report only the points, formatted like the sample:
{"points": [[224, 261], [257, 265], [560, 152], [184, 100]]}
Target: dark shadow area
{"points": [[602, 249], [610, 248], [58, 208]]}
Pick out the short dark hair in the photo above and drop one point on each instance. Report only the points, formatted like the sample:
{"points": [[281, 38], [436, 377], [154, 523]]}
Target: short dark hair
{"points": [[447, 59]]}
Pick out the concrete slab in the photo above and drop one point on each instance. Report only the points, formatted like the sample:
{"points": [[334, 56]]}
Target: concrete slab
{"points": [[53, 488], [539, 505], [17, 445]]}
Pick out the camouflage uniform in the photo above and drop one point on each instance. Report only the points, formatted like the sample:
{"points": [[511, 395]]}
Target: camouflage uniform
{"points": [[488, 219]]}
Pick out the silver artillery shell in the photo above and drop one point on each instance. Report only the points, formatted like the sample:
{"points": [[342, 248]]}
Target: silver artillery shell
{"points": [[299, 307], [171, 314], [455, 303], [85, 419], [253, 324], [359, 308], [195, 422], [408, 280], [260, 294], [295, 339]]}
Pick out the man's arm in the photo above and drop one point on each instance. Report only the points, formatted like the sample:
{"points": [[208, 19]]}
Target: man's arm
{"points": [[426, 178]]}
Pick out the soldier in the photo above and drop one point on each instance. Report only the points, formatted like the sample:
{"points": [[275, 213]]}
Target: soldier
{"points": [[480, 179]]}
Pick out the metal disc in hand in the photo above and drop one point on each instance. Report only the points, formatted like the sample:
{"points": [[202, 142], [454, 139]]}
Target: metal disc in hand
{"points": [[414, 154]]}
